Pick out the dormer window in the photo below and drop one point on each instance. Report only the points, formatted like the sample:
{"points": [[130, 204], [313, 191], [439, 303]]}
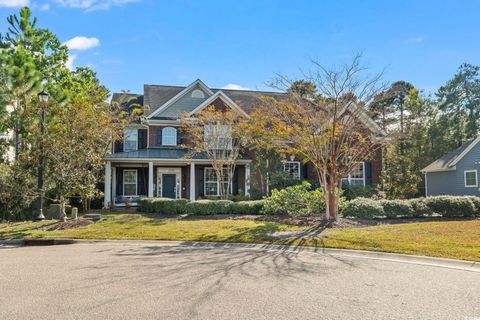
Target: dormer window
{"points": [[169, 136], [197, 93], [130, 141]]}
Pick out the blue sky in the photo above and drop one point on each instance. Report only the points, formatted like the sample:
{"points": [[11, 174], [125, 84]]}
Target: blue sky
{"points": [[245, 43]]}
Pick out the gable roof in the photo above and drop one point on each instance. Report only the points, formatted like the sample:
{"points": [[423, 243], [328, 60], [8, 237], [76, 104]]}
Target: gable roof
{"points": [[157, 108], [219, 95], [448, 161]]}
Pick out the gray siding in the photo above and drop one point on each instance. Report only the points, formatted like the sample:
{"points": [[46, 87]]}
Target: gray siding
{"points": [[184, 104], [452, 182]]}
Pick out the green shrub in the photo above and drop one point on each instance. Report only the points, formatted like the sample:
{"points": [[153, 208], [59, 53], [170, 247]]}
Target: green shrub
{"points": [[476, 203], [294, 201], [363, 208], [351, 192], [247, 207], [207, 207], [162, 205], [420, 207], [451, 206], [396, 208]]}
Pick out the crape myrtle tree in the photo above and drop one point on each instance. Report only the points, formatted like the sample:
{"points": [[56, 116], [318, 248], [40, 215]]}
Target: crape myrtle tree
{"points": [[324, 123], [216, 134]]}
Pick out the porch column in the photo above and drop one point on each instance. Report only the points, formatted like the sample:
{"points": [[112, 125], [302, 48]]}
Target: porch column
{"points": [[192, 181], [114, 184], [150, 179], [247, 180], [108, 185]]}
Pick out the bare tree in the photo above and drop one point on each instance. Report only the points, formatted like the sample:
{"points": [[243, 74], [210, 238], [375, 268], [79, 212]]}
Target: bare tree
{"points": [[327, 125], [215, 134]]}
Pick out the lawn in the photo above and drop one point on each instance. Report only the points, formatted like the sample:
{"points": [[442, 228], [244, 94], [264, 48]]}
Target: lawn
{"points": [[448, 239]]}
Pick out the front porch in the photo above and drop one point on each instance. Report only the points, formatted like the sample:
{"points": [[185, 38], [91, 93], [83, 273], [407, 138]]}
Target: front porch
{"points": [[127, 181]]}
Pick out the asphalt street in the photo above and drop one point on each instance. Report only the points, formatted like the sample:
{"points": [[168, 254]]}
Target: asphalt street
{"points": [[158, 280]]}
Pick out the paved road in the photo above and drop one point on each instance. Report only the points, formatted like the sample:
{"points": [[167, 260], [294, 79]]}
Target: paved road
{"points": [[147, 280]]}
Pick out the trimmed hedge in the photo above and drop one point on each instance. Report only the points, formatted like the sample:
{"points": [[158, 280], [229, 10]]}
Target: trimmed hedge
{"points": [[162, 205], [247, 207], [207, 207], [200, 207], [420, 207], [363, 208], [451, 206], [447, 206], [395, 208]]}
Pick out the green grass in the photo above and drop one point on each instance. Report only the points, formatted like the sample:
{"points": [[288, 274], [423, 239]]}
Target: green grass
{"points": [[448, 239], [138, 226]]}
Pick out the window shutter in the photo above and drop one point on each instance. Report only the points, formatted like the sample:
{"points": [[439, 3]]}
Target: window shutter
{"points": [[368, 173], [235, 182], [140, 181], [303, 171], [142, 138], [159, 136], [200, 174], [179, 137], [118, 146], [120, 181]]}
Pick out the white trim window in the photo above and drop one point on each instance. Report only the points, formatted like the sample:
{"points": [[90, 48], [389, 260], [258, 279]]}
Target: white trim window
{"points": [[292, 168], [130, 182], [471, 179], [169, 136], [130, 140], [218, 137], [211, 186], [356, 176]]}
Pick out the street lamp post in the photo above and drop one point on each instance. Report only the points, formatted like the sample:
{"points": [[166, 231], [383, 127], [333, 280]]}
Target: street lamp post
{"points": [[43, 98]]}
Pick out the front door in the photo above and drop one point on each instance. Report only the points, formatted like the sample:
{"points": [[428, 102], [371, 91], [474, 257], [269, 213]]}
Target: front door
{"points": [[168, 185]]}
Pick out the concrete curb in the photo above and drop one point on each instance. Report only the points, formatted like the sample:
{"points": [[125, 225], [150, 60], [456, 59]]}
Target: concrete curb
{"points": [[37, 242], [464, 265]]}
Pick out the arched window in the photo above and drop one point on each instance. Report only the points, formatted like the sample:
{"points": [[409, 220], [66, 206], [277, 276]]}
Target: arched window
{"points": [[198, 94], [169, 136]]}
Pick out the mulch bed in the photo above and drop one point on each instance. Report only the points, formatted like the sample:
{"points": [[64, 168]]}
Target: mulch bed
{"points": [[69, 224]]}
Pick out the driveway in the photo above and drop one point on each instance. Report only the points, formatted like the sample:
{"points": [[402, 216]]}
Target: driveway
{"points": [[157, 280]]}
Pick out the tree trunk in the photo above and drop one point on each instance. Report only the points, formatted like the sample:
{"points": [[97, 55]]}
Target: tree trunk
{"points": [[63, 214], [332, 202]]}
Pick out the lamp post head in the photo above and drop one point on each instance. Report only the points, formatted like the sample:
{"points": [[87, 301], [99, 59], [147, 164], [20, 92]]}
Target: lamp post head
{"points": [[43, 97]]}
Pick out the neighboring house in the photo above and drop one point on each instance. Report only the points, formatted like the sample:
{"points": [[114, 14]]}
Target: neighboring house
{"points": [[151, 162], [455, 173]]}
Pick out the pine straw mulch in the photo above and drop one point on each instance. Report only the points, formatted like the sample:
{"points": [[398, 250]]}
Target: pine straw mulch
{"points": [[69, 224]]}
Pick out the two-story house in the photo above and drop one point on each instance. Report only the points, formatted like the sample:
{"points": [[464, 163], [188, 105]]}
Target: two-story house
{"points": [[152, 160]]}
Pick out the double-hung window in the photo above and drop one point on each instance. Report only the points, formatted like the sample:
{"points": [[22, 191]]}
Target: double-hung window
{"points": [[292, 168], [470, 177], [129, 182], [169, 136], [212, 185], [218, 137], [130, 141], [357, 175]]}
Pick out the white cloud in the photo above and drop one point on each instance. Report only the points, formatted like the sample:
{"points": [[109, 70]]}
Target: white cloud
{"points": [[415, 40], [91, 5], [14, 3], [70, 61], [82, 43], [233, 86], [41, 7]]}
